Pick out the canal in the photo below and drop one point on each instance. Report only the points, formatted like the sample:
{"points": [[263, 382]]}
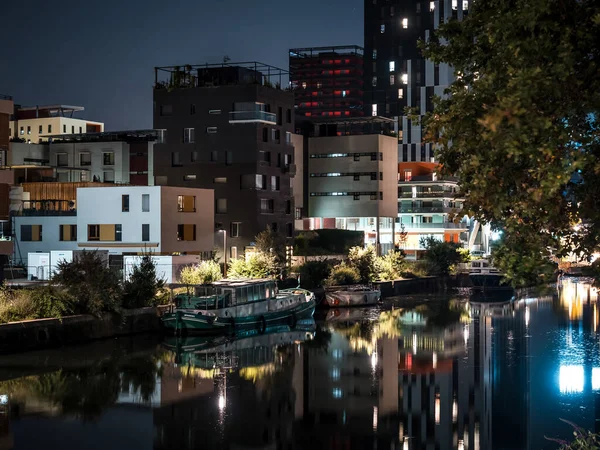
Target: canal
{"points": [[435, 372]]}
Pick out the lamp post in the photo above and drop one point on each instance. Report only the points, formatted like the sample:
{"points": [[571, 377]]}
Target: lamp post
{"points": [[224, 251]]}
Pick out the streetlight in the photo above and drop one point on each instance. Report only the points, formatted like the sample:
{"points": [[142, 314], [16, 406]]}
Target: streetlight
{"points": [[224, 251]]}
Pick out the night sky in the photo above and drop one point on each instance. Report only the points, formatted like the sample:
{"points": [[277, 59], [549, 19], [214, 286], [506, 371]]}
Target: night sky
{"points": [[101, 55]]}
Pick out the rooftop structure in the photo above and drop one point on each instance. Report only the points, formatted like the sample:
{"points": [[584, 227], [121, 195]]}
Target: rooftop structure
{"points": [[108, 136], [37, 112]]}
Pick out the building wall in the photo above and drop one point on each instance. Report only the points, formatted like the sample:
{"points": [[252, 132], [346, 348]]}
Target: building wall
{"points": [[299, 180], [345, 205], [50, 236], [202, 218], [222, 158], [59, 125]]}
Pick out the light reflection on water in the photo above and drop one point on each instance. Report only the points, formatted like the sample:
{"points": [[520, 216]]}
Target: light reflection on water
{"points": [[420, 371]]}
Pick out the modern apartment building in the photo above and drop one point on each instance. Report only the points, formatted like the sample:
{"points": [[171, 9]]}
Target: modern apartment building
{"points": [[121, 157], [37, 123], [228, 127], [396, 75], [121, 220], [327, 81], [429, 205], [6, 179], [351, 183]]}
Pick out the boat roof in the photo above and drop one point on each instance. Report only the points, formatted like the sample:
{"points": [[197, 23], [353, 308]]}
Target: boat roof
{"points": [[241, 282]]}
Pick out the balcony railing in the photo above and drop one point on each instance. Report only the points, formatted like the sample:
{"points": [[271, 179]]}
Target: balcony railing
{"points": [[427, 209], [252, 117], [437, 194], [45, 212], [445, 225]]}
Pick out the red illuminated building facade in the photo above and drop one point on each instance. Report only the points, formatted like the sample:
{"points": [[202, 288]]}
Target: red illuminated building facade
{"points": [[327, 81]]}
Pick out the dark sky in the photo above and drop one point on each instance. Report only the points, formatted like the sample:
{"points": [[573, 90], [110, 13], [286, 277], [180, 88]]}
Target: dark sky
{"points": [[101, 55]]}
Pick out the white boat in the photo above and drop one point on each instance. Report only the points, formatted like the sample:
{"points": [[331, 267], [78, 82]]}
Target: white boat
{"points": [[353, 295]]}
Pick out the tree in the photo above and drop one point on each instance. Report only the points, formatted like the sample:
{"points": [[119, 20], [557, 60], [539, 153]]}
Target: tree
{"points": [[90, 284], [363, 260], [143, 285], [403, 235], [442, 257], [342, 275], [272, 243], [520, 123], [390, 266], [255, 265], [205, 272]]}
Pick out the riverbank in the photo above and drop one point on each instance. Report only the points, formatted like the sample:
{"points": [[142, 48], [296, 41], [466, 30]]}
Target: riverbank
{"points": [[49, 333]]}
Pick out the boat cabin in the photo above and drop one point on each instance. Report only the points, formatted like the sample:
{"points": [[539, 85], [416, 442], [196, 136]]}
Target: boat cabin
{"points": [[245, 291]]}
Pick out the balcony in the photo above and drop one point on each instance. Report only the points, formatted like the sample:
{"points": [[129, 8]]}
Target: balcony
{"points": [[291, 169], [252, 117], [427, 209], [437, 194], [442, 225]]}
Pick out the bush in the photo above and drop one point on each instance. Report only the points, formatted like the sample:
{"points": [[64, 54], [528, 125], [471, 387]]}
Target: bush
{"points": [[270, 242], [442, 256], [142, 286], [342, 275], [363, 260], [314, 273], [255, 265], [327, 242], [37, 303], [205, 272], [90, 285], [391, 266], [416, 269]]}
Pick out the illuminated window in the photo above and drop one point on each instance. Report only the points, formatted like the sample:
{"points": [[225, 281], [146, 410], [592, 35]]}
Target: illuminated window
{"points": [[188, 135], [392, 66], [186, 232], [404, 78], [374, 81], [161, 136], [382, 28], [304, 85], [465, 5], [431, 6], [407, 175], [186, 203], [28, 130], [392, 80], [454, 5], [405, 23], [337, 393], [374, 109], [374, 53], [400, 93], [335, 373]]}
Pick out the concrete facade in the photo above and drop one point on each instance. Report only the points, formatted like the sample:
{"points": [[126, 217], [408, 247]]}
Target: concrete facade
{"points": [[235, 139], [50, 235], [36, 130]]}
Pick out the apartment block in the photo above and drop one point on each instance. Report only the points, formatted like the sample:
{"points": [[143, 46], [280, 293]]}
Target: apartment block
{"points": [[6, 178], [122, 220], [38, 123], [228, 127]]}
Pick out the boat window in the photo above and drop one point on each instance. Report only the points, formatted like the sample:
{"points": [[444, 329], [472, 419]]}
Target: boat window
{"points": [[484, 264], [476, 264]]}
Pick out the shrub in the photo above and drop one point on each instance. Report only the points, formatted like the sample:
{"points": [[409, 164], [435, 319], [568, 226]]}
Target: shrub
{"points": [[270, 242], [314, 273], [37, 303], [255, 265], [442, 256], [205, 272], [363, 260], [342, 275], [91, 286], [390, 266], [142, 286], [416, 269]]}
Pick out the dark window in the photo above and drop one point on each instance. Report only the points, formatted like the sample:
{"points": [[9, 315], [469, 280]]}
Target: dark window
{"points": [[274, 227], [214, 156], [228, 158], [49, 128], [356, 196], [289, 116], [118, 232], [175, 161], [380, 176], [40, 129], [194, 157], [381, 196], [278, 159], [145, 232], [31, 232], [192, 109], [288, 206], [279, 115], [289, 230], [373, 176], [356, 157], [166, 110], [64, 129], [125, 203], [235, 229], [381, 157], [265, 136], [374, 157], [356, 177], [108, 158]]}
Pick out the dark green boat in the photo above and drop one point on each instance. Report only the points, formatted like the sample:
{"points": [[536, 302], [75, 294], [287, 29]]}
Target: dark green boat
{"points": [[231, 306]]}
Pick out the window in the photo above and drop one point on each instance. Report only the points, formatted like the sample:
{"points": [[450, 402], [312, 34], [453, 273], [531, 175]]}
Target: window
{"points": [[21, 131], [274, 183], [279, 115], [186, 232], [166, 110], [380, 176], [49, 128], [289, 230], [392, 66], [356, 196], [80, 130], [186, 203], [28, 129], [109, 176], [356, 177], [103, 232], [40, 130], [161, 136], [221, 207], [288, 206], [374, 109], [266, 205], [431, 6], [189, 177], [67, 232], [194, 156], [214, 111], [108, 158], [407, 175], [125, 203], [84, 175], [374, 81], [211, 130], [145, 232], [465, 5], [265, 134], [382, 28], [404, 78], [145, 202], [85, 159], [235, 229], [298, 214], [188, 135], [62, 159], [72, 129], [214, 156], [288, 116], [288, 137], [392, 80], [31, 233], [175, 160], [400, 93], [64, 128], [405, 23], [357, 157], [454, 5], [374, 53], [220, 180], [228, 158], [192, 109]]}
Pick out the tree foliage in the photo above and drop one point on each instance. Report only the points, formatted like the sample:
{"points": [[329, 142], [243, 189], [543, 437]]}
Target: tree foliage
{"points": [[90, 284], [270, 242], [255, 265], [441, 256], [343, 275], [520, 126], [143, 285], [363, 260], [390, 266], [313, 273], [205, 272]]}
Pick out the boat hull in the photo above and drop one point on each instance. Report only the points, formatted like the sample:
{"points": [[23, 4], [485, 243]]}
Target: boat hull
{"points": [[185, 321], [351, 298]]}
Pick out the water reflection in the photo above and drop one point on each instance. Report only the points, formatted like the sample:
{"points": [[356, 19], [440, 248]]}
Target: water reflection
{"points": [[447, 373]]}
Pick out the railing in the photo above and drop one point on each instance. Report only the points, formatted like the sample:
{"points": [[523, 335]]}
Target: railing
{"points": [[445, 225], [252, 116], [437, 194], [427, 209], [5, 97], [45, 212], [428, 179]]}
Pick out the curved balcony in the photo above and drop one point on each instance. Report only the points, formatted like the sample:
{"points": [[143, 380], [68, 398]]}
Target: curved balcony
{"points": [[252, 117]]}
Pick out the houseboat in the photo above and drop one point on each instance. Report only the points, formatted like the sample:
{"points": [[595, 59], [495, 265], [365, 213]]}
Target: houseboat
{"points": [[485, 276], [353, 295], [231, 306]]}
